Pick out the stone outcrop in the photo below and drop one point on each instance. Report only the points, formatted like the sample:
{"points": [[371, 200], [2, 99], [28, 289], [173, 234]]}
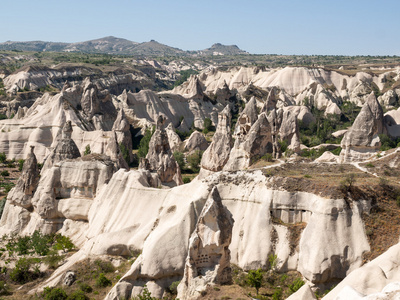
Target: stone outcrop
{"points": [[173, 138], [275, 120], [65, 149], [196, 141], [23, 191], [62, 198], [208, 260], [289, 131], [121, 128], [252, 146], [362, 140], [372, 279], [217, 154], [160, 159], [246, 118]]}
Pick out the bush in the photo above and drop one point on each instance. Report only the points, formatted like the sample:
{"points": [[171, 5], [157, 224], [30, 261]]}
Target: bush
{"points": [[4, 289], [144, 295], [3, 157], [207, 125], [54, 294], [2, 204], [85, 287], [267, 157], [78, 295], [296, 285], [173, 288], [53, 259], [370, 165], [20, 164], [63, 243], [87, 150], [144, 142], [347, 182], [254, 279], [277, 295], [184, 179], [104, 266], [22, 272], [103, 281], [180, 159], [194, 160], [337, 151], [125, 153], [41, 243], [5, 173]]}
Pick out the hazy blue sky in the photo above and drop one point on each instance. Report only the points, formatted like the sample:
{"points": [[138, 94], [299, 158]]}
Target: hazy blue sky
{"points": [[350, 27]]}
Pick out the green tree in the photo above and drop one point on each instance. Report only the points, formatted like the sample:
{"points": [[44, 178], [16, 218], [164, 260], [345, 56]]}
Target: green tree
{"points": [[207, 125], [254, 279], [144, 143], [180, 159], [194, 160]]}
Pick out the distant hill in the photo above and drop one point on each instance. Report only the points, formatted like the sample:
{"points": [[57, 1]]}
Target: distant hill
{"points": [[114, 45], [219, 49]]}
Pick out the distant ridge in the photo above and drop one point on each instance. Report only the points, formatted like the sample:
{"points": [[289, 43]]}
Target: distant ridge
{"points": [[114, 45]]}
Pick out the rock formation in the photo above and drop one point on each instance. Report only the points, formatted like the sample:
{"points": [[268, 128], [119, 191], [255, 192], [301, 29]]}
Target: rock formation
{"points": [[289, 131], [196, 141], [65, 149], [246, 118], [208, 260], [160, 158], [275, 120], [124, 138], [23, 191], [252, 146], [362, 140], [173, 138], [217, 154]]}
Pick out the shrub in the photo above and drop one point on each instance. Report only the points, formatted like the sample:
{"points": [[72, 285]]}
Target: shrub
{"points": [[267, 157], [103, 281], [370, 165], [144, 143], [22, 272], [2, 204], [207, 125], [347, 182], [283, 145], [194, 160], [87, 150], [337, 151], [254, 279], [296, 285], [180, 159], [85, 287], [173, 288], [53, 259], [4, 289], [3, 157], [20, 164], [277, 295], [40, 243], [54, 293], [63, 243], [5, 173], [104, 266], [184, 179], [144, 295], [78, 295], [273, 261], [125, 153]]}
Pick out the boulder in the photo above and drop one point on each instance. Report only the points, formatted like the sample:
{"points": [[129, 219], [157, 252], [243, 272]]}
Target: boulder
{"points": [[304, 293], [388, 99], [361, 141], [208, 260], [160, 158], [196, 141], [217, 154], [69, 278], [23, 191], [328, 156]]}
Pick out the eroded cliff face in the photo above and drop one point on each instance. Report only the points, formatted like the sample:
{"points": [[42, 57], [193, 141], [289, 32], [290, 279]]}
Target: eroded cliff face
{"points": [[128, 215]]}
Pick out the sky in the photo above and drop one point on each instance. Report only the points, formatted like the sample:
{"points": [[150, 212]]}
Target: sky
{"points": [[312, 27]]}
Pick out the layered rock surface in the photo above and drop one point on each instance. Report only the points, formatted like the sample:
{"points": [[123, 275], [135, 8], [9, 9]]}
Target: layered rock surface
{"points": [[361, 141]]}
